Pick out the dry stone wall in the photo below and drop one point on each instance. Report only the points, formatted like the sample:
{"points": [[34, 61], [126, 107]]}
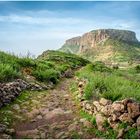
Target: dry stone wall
{"points": [[114, 113], [9, 91]]}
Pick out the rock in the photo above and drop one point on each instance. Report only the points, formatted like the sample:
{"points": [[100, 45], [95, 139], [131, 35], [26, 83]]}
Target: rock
{"points": [[97, 105], [72, 127], [127, 100], [82, 120], [114, 125], [87, 124], [134, 125], [10, 131], [105, 102], [2, 128], [88, 106], [39, 117], [114, 117], [53, 113], [117, 107], [44, 111], [42, 135], [138, 122], [120, 133], [69, 73], [128, 128], [133, 109], [106, 110], [16, 107], [138, 134], [59, 135], [29, 133], [81, 84], [100, 120], [126, 118], [6, 136]]}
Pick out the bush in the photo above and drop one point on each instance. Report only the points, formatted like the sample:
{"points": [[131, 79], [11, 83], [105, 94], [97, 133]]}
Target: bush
{"points": [[7, 73], [108, 85], [26, 62], [62, 68], [99, 66], [48, 75], [137, 68]]}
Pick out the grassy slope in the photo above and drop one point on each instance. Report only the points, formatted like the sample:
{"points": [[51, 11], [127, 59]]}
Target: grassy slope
{"points": [[47, 68], [114, 84], [121, 51], [109, 83]]}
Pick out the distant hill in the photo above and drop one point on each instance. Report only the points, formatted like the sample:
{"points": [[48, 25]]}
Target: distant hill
{"points": [[108, 45]]}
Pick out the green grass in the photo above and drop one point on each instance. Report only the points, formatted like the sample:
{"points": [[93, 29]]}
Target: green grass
{"points": [[8, 115], [7, 72], [47, 75], [108, 134], [46, 68], [110, 85]]}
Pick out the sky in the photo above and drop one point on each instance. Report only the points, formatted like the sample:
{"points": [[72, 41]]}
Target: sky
{"points": [[39, 26]]}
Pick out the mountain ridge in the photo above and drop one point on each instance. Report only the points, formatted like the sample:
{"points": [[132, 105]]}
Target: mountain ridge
{"points": [[106, 42]]}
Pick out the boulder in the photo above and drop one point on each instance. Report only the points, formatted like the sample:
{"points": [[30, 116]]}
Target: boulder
{"points": [[10, 131], [87, 124], [120, 133], [125, 117], [133, 109], [100, 120], [2, 128], [105, 102], [117, 107], [88, 106], [106, 110], [97, 105], [81, 84], [138, 122], [127, 100]]}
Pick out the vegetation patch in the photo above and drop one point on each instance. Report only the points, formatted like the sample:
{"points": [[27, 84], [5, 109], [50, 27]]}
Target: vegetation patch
{"points": [[46, 68], [110, 85]]}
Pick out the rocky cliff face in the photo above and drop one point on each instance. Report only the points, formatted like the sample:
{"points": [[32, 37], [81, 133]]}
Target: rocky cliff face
{"points": [[91, 42]]}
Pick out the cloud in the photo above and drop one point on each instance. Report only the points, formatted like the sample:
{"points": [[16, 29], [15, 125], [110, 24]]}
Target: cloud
{"points": [[41, 21], [39, 29]]}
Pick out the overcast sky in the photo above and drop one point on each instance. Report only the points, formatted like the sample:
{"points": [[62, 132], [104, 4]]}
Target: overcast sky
{"points": [[38, 26]]}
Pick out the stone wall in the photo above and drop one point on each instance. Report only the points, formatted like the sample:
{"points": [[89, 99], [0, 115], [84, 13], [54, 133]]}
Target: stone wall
{"points": [[114, 113], [9, 91]]}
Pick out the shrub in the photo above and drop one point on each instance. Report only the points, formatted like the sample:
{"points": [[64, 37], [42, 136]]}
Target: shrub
{"points": [[62, 68], [100, 66], [7, 73], [108, 85], [137, 68], [26, 62], [48, 75]]}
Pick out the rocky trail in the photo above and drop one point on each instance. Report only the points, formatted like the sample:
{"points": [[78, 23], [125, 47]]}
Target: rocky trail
{"points": [[54, 114]]}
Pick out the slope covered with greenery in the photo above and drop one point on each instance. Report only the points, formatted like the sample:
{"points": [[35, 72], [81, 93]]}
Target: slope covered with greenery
{"points": [[48, 67], [113, 84]]}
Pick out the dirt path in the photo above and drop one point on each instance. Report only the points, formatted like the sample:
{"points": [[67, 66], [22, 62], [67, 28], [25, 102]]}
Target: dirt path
{"points": [[57, 117]]}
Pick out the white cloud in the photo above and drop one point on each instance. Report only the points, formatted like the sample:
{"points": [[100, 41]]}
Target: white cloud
{"points": [[45, 29], [41, 21]]}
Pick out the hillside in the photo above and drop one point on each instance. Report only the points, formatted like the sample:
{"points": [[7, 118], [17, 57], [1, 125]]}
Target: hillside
{"points": [[47, 68], [108, 45], [60, 95]]}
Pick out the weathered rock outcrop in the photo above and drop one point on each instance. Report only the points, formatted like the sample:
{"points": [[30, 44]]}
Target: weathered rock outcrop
{"points": [[92, 44], [93, 38]]}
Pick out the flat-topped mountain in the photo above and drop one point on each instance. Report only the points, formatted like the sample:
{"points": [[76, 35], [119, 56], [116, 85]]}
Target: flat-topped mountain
{"points": [[105, 45]]}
